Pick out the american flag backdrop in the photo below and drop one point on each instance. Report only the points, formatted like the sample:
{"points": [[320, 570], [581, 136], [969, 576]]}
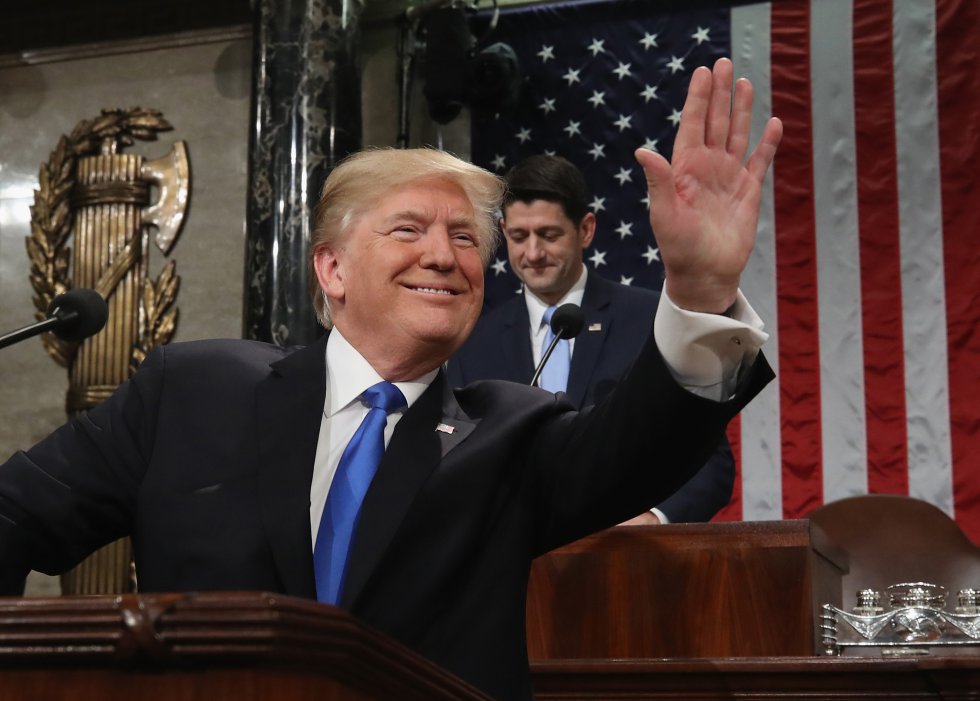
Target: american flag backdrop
{"points": [[867, 266]]}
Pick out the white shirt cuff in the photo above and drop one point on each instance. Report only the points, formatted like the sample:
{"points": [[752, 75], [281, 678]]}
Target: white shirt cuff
{"points": [[705, 352], [660, 515]]}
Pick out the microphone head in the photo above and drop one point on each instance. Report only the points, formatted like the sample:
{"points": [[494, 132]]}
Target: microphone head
{"points": [[567, 321], [82, 313]]}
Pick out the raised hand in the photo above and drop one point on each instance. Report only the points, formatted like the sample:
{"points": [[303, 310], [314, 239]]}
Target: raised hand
{"points": [[704, 204]]}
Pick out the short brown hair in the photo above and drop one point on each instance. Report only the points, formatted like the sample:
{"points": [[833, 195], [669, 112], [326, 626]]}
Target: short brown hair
{"points": [[363, 178], [550, 178]]}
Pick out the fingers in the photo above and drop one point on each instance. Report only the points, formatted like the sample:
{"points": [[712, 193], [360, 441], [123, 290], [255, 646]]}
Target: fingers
{"points": [[741, 120], [720, 106], [690, 133], [711, 116], [765, 150]]}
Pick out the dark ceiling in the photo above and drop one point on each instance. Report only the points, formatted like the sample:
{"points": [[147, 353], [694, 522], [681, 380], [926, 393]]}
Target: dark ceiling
{"points": [[28, 25]]}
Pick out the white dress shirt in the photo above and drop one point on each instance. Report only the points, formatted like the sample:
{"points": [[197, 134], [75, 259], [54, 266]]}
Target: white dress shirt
{"points": [[348, 375], [536, 308], [706, 352]]}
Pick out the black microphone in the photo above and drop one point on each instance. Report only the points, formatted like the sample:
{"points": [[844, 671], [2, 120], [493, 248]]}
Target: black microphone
{"points": [[566, 322], [72, 316]]}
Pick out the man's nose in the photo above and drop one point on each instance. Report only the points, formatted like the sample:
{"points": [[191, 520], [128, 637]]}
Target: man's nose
{"points": [[535, 249], [437, 251]]}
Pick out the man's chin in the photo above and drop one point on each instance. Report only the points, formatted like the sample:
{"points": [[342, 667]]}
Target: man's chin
{"points": [[540, 290], [536, 281], [443, 341]]}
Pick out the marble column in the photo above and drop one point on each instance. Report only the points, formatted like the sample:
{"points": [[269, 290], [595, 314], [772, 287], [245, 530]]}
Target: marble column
{"points": [[306, 116]]}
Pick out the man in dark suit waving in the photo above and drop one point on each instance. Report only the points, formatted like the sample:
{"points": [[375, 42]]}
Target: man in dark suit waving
{"points": [[547, 226], [351, 472]]}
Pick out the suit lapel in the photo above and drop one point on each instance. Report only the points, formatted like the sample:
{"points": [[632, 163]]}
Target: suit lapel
{"points": [[289, 404], [432, 427], [515, 345], [588, 344]]}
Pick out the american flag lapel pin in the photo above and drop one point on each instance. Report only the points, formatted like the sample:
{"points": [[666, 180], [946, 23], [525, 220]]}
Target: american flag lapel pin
{"points": [[445, 428], [597, 326]]}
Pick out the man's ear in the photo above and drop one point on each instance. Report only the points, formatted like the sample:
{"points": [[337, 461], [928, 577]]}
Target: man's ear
{"points": [[586, 229], [329, 273]]}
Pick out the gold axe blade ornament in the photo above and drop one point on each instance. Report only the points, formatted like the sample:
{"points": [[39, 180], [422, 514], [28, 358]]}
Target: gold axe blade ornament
{"points": [[100, 198]]}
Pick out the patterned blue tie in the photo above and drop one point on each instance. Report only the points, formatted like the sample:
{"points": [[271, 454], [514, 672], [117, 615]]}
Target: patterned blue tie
{"points": [[354, 474], [554, 375]]}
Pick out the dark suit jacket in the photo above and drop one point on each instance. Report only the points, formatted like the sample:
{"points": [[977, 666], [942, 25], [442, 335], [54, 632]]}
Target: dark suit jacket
{"points": [[205, 457], [618, 320]]}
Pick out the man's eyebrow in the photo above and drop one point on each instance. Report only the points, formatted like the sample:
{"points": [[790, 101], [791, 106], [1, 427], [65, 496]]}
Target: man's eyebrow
{"points": [[548, 229], [421, 215], [460, 219], [412, 214]]}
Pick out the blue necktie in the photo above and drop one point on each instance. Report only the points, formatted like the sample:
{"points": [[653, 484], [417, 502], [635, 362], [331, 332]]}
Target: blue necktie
{"points": [[354, 474], [554, 375]]}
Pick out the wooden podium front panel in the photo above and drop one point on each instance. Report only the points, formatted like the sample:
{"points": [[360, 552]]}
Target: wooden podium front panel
{"points": [[220, 646], [681, 591]]}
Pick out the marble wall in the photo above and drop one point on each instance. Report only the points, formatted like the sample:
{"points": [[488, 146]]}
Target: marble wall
{"points": [[202, 85]]}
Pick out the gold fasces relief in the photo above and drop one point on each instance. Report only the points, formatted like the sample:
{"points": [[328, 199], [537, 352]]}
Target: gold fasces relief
{"points": [[171, 174], [86, 187], [98, 199]]}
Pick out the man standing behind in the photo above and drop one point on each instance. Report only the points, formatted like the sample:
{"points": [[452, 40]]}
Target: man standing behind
{"points": [[547, 227]]}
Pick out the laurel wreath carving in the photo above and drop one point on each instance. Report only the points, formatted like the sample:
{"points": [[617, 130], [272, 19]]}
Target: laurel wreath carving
{"points": [[51, 225], [157, 315]]}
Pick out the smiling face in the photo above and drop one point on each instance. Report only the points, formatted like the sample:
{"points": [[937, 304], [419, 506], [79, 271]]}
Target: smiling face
{"points": [[545, 247], [405, 282]]}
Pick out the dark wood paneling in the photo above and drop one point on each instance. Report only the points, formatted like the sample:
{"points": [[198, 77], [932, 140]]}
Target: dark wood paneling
{"points": [[761, 679], [684, 590], [213, 647], [44, 24]]}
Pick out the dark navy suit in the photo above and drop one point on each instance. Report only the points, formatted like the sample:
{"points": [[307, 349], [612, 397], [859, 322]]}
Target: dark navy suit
{"points": [[205, 457], [618, 320]]}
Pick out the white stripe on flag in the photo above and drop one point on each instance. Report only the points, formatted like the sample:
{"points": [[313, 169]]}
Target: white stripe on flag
{"points": [[761, 447], [921, 236], [844, 435]]}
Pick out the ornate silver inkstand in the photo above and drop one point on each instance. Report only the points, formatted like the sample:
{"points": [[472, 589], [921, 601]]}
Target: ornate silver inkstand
{"points": [[914, 624]]}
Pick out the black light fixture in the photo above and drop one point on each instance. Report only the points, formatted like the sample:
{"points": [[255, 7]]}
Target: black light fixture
{"points": [[495, 80], [445, 34], [457, 73]]}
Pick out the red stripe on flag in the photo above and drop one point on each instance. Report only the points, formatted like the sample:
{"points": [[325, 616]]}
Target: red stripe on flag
{"points": [[881, 281], [733, 510], [796, 261], [959, 150]]}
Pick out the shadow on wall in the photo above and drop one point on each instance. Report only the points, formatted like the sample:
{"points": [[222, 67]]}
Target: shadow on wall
{"points": [[23, 91], [230, 80]]}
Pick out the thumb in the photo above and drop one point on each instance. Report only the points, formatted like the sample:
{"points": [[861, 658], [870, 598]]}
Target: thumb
{"points": [[660, 180]]}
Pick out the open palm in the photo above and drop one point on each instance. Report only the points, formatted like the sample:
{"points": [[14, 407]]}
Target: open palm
{"points": [[704, 205]]}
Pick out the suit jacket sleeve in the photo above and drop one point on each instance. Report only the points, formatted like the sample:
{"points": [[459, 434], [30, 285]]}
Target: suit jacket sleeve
{"points": [[76, 490], [707, 492], [594, 467]]}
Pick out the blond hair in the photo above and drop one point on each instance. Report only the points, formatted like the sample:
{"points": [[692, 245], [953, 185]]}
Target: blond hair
{"points": [[361, 180]]}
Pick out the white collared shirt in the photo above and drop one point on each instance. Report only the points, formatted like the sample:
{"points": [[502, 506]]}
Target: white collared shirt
{"points": [[536, 308], [706, 352], [348, 375]]}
